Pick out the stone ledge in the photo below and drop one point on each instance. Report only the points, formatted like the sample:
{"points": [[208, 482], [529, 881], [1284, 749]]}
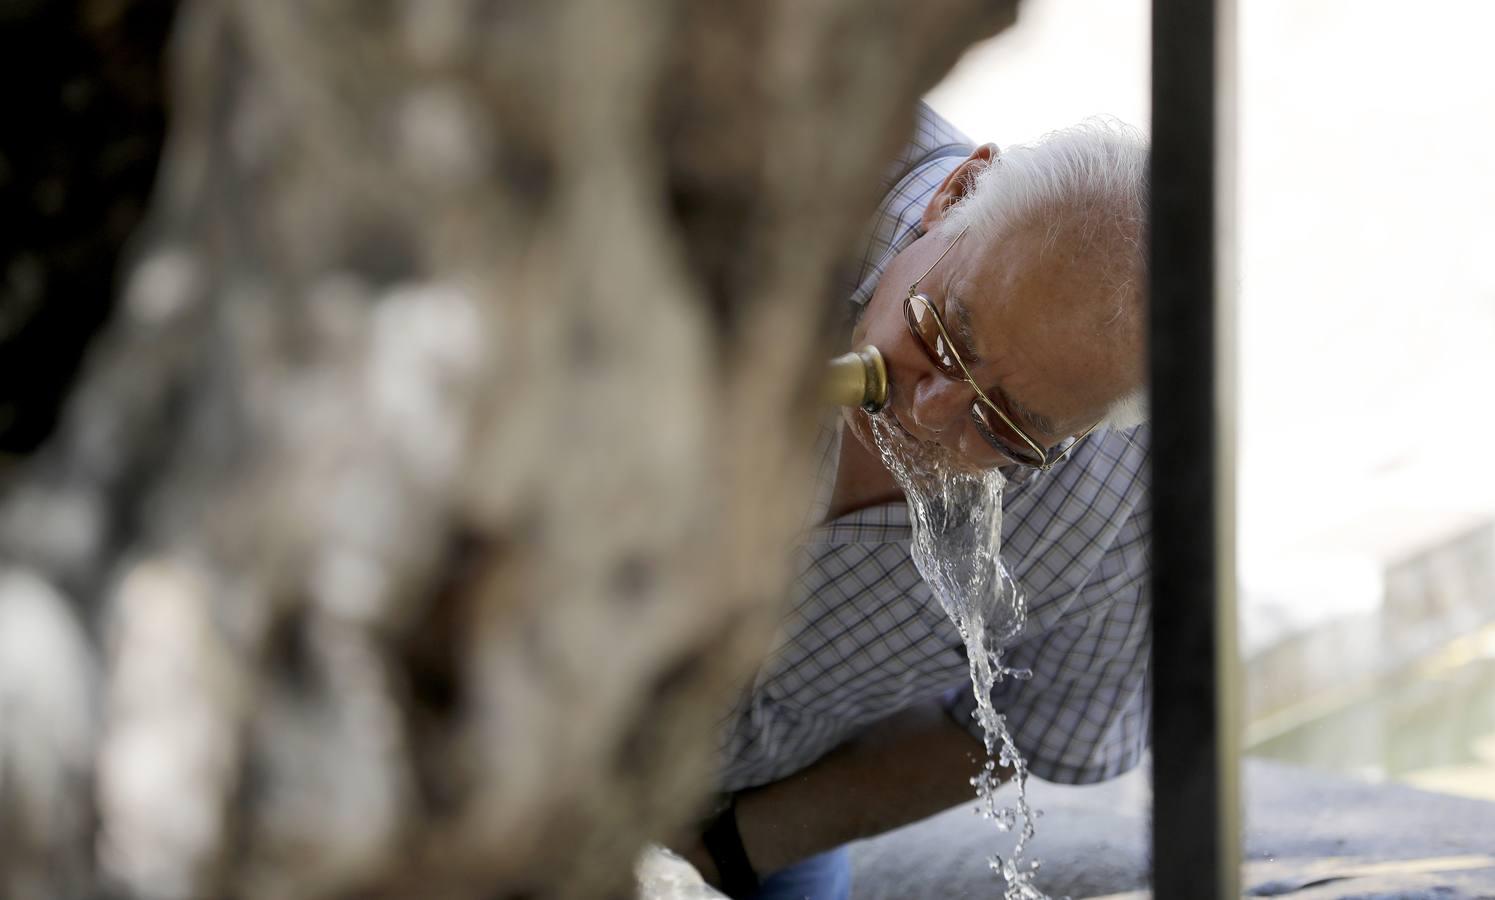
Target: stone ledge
{"points": [[1349, 838]]}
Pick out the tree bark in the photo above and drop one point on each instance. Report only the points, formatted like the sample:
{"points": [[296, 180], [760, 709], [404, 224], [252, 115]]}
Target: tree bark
{"points": [[425, 498]]}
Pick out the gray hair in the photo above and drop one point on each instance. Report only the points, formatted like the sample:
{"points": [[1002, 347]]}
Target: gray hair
{"points": [[1089, 183]]}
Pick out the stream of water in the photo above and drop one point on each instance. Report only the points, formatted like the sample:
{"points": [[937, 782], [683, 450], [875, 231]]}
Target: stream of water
{"points": [[957, 533]]}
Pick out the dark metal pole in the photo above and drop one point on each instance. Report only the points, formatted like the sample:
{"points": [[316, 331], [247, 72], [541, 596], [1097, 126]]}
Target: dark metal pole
{"points": [[1196, 845]]}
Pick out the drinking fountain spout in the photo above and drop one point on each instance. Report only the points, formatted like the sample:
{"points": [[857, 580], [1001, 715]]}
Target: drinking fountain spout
{"points": [[858, 378]]}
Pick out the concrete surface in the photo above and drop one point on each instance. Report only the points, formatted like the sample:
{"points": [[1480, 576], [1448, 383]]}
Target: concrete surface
{"points": [[1309, 836]]}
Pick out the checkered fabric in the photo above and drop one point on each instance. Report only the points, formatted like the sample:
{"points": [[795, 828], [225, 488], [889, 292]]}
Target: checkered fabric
{"points": [[866, 637]]}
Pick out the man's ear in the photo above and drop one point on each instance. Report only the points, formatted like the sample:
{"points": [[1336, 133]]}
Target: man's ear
{"points": [[958, 182]]}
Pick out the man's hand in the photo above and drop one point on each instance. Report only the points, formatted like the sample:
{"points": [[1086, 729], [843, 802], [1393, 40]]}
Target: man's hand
{"points": [[693, 851]]}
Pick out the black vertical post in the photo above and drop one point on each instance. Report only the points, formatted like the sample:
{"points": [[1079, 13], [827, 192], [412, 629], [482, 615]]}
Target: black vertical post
{"points": [[1195, 808]]}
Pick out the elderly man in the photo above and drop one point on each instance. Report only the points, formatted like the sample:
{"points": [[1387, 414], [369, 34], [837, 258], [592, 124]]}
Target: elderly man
{"points": [[1006, 294]]}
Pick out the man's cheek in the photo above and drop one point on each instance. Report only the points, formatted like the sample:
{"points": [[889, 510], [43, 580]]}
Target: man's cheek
{"points": [[859, 332], [884, 331], [873, 329]]}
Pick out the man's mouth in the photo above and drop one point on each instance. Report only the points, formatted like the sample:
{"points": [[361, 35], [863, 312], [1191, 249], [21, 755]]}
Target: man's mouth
{"points": [[926, 445], [903, 429]]}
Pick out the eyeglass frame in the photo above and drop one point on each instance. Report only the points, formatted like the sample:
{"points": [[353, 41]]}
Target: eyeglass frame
{"points": [[981, 397]]}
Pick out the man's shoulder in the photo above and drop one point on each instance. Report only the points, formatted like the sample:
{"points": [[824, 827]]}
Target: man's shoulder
{"points": [[933, 136], [932, 130], [934, 149]]}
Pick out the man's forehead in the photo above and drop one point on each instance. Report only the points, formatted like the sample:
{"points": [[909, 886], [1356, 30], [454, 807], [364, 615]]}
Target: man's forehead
{"points": [[1034, 291], [1040, 278]]}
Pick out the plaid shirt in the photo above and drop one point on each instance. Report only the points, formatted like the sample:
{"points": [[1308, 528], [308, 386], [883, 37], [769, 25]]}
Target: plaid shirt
{"points": [[867, 637]]}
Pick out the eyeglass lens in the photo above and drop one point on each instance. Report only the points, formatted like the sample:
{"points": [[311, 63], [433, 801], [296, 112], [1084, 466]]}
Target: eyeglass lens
{"points": [[924, 322]]}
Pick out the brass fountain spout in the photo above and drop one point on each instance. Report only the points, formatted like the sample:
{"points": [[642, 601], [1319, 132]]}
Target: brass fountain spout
{"points": [[858, 378]]}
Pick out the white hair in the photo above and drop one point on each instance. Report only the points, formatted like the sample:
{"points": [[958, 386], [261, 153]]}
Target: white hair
{"points": [[1089, 184]]}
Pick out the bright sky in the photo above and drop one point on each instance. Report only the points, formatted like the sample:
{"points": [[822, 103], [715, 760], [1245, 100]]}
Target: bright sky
{"points": [[1366, 259]]}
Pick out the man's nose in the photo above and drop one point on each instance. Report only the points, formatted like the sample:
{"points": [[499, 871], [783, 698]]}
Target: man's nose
{"points": [[940, 405]]}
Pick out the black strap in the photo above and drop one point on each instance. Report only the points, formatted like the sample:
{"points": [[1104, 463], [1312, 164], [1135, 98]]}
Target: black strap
{"points": [[724, 844]]}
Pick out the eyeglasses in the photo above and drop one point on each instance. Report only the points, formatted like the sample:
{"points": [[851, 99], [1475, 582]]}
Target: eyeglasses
{"points": [[993, 423]]}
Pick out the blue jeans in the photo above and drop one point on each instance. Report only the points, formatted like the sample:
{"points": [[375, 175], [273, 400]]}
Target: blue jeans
{"points": [[823, 877]]}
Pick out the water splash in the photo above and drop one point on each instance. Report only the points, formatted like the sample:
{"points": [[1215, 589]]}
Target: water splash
{"points": [[957, 535]]}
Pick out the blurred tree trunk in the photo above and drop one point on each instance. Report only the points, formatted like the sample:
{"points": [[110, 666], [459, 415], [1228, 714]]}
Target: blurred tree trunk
{"points": [[424, 498]]}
